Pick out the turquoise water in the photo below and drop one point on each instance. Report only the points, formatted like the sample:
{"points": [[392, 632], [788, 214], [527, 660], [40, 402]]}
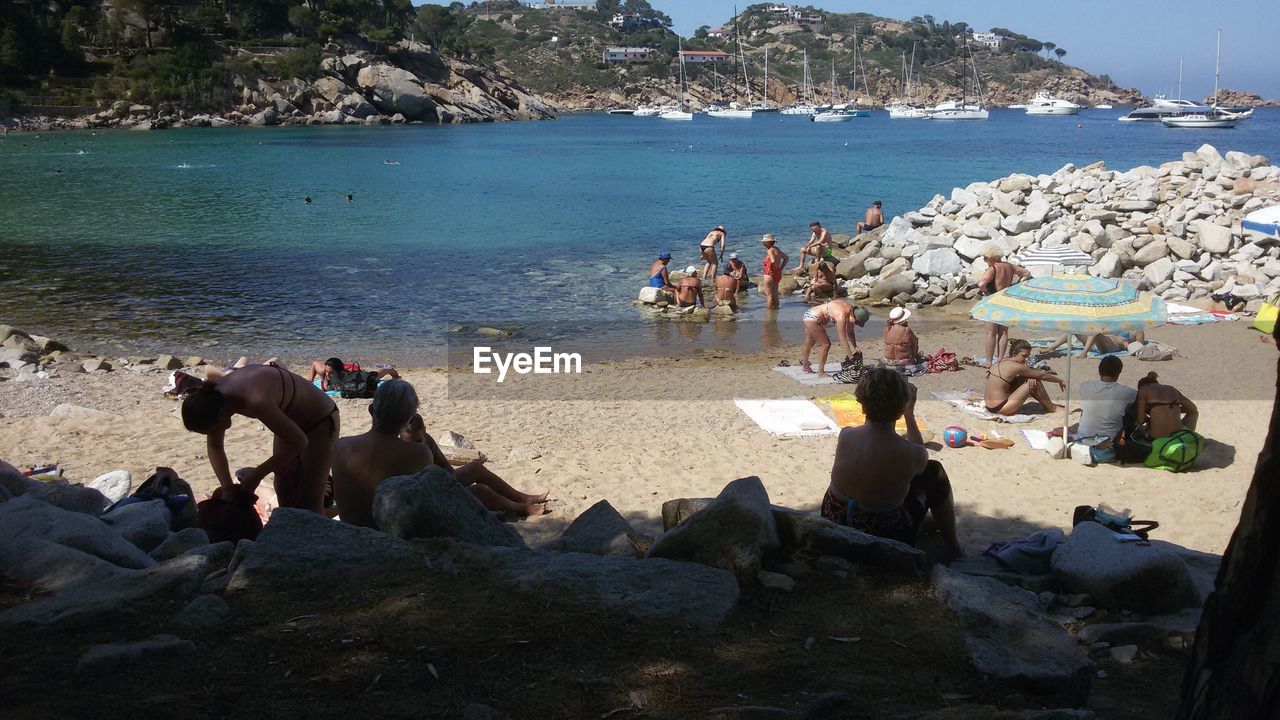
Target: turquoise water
{"points": [[200, 241]]}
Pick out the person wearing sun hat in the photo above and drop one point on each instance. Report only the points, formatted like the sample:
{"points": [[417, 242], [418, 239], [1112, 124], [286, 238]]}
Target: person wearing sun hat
{"points": [[774, 261], [658, 276], [901, 346], [738, 270]]}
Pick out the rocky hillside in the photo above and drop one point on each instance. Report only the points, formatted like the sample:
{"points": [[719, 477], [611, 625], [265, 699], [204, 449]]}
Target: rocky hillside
{"points": [[1235, 98]]}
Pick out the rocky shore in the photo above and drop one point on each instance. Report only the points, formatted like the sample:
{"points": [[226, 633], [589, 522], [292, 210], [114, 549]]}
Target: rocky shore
{"points": [[411, 83], [1173, 230]]}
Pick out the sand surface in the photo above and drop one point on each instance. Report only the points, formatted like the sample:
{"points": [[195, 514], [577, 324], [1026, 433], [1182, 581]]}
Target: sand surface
{"points": [[639, 432]]}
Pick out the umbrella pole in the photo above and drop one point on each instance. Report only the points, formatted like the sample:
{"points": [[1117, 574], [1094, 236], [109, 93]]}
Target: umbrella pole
{"points": [[1066, 409]]}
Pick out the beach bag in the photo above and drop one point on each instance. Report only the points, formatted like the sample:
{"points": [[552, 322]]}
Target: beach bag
{"points": [[1120, 522], [224, 520], [164, 484], [1155, 352], [851, 370], [358, 385], [942, 361], [1176, 452], [1266, 320]]}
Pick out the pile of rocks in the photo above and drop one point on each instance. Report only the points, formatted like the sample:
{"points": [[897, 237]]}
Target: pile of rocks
{"points": [[26, 356], [1174, 230], [411, 83]]}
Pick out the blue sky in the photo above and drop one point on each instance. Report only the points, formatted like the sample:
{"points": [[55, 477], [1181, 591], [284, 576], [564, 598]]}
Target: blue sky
{"points": [[1136, 42]]}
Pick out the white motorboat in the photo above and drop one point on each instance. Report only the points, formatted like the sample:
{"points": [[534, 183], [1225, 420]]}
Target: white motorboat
{"points": [[1213, 118], [833, 116], [731, 113], [960, 114], [1017, 106], [622, 111], [1103, 106], [1045, 104], [799, 109], [647, 111], [907, 112], [1162, 107], [676, 115]]}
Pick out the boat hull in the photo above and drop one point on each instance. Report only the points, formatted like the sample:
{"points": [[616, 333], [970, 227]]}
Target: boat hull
{"points": [[959, 115], [1193, 122], [676, 115], [731, 114], [833, 117], [1052, 111]]}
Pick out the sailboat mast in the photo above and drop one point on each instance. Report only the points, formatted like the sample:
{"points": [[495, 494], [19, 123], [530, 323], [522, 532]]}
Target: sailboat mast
{"points": [[766, 77], [1179, 78], [738, 38], [1217, 68]]}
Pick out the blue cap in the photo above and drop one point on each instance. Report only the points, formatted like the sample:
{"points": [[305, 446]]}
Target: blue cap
{"points": [[664, 256]]}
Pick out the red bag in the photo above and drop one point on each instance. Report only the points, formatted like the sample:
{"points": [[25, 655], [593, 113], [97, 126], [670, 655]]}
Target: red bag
{"points": [[225, 520], [942, 361]]}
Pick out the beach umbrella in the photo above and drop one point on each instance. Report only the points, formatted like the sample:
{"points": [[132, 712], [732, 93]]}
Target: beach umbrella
{"points": [[1265, 221], [1065, 255], [1074, 305]]}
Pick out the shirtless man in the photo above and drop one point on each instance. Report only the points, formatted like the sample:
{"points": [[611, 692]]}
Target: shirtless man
{"points": [[819, 245], [362, 462], [845, 317], [710, 258], [882, 483], [1011, 382], [302, 418], [689, 292], [334, 368], [999, 275], [872, 220], [727, 289], [824, 281]]}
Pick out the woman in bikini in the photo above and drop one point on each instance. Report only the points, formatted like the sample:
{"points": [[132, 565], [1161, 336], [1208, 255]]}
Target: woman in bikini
{"points": [[303, 419], [774, 261], [710, 258], [1162, 413], [1011, 382], [833, 312]]}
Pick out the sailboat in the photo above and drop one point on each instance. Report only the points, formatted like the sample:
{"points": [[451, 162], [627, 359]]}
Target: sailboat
{"points": [[962, 109], [836, 113], [805, 106], [679, 113], [1213, 117], [906, 108], [764, 106], [734, 112]]}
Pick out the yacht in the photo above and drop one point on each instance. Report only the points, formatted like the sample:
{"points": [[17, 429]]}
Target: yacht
{"points": [[731, 113], [1103, 106], [907, 109], [1017, 106], [902, 111], [622, 111], [678, 113], [1161, 108], [1045, 104], [1213, 117], [963, 109]]}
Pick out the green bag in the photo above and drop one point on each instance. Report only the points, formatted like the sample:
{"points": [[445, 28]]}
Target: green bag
{"points": [[1176, 452]]}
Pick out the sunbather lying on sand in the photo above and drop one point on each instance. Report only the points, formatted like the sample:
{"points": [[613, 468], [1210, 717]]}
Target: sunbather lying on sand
{"points": [[330, 372], [398, 444], [1105, 343]]}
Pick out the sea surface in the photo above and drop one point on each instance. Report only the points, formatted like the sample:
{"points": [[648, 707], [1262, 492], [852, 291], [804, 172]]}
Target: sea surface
{"points": [[200, 240]]}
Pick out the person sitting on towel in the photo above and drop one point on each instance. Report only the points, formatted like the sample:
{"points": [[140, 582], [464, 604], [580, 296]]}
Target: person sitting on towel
{"points": [[1105, 402], [331, 371], [398, 444], [901, 346], [885, 484], [1011, 382]]}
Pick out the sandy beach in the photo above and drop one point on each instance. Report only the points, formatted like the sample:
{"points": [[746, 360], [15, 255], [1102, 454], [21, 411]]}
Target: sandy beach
{"points": [[639, 432]]}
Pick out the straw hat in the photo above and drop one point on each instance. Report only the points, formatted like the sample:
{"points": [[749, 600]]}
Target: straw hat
{"points": [[768, 238], [899, 314]]}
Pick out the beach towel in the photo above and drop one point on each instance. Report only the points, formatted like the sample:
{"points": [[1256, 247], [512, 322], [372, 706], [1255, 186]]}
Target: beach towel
{"points": [[1188, 315], [788, 417], [795, 373], [971, 402], [848, 412], [330, 393], [1062, 351]]}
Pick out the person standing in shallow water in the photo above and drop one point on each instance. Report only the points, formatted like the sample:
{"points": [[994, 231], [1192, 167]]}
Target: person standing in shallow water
{"points": [[774, 261], [303, 420]]}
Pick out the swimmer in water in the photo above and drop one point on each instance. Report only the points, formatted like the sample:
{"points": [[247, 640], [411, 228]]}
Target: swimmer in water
{"points": [[348, 197], [307, 200]]}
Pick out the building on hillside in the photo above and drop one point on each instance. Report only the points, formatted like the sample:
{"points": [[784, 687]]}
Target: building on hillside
{"points": [[561, 5], [628, 55], [627, 22], [720, 33], [791, 14], [989, 39], [706, 57]]}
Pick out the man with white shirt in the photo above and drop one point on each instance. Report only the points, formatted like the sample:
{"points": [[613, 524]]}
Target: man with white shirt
{"points": [[1105, 401]]}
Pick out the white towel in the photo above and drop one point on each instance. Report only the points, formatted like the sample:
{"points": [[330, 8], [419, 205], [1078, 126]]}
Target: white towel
{"points": [[795, 373], [970, 401], [788, 417]]}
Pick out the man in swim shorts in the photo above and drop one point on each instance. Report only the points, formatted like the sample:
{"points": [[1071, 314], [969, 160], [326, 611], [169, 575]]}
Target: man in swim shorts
{"points": [[819, 245], [872, 220]]}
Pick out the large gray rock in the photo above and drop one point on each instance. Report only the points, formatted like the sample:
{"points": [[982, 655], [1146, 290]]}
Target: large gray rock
{"points": [[395, 90], [1122, 575], [1158, 271], [733, 532], [1150, 253], [814, 535], [297, 545], [433, 504], [1009, 640], [180, 543], [1213, 238], [677, 511], [15, 357], [27, 518], [115, 658], [218, 554], [1154, 631], [599, 530], [651, 591], [145, 524], [889, 287], [73, 498], [114, 485], [939, 261], [204, 611]]}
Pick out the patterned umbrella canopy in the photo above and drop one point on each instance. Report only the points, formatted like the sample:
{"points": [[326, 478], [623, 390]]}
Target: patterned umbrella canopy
{"points": [[1065, 255], [1074, 304]]}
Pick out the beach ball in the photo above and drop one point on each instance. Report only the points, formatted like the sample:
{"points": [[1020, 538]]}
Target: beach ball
{"points": [[955, 436]]}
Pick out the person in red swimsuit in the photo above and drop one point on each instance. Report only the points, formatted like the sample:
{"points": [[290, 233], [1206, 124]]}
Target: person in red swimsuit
{"points": [[774, 261]]}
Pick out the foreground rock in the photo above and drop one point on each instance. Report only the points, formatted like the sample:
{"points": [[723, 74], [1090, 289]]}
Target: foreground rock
{"points": [[119, 657], [433, 504], [813, 535], [599, 530], [733, 532], [1123, 575], [1010, 641]]}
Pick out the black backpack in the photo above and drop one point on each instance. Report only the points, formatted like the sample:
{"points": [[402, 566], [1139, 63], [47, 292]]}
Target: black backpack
{"points": [[358, 384]]}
